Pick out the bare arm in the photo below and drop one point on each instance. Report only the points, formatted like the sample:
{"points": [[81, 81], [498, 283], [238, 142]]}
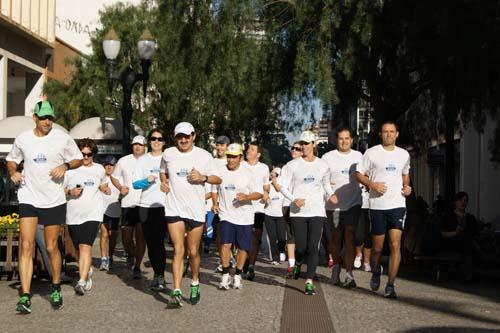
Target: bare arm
{"points": [[15, 175]]}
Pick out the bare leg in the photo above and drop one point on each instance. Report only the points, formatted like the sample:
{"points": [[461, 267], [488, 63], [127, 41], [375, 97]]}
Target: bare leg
{"points": [[193, 244], [395, 259], [128, 240], [85, 260], [104, 240], [177, 231], [378, 244], [51, 235], [225, 255], [27, 232]]}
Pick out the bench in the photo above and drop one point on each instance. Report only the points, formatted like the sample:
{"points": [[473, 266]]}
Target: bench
{"points": [[440, 260]]}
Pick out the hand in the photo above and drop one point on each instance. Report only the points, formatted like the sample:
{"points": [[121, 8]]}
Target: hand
{"points": [[152, 178], [406, 190], [124, 190], [104, 188], [76, 191], [334, 199], [299, 202], [58, 172], [164, 187], [379, 187], [195, 177], [241, 197], [17, 178], [215, 209]]}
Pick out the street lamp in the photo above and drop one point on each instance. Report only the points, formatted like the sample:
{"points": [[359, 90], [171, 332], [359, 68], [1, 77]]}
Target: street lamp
{"points": [[128, 77]]}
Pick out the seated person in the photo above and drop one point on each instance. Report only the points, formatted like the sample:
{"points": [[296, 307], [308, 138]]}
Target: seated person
{"points": [[458, 229]]}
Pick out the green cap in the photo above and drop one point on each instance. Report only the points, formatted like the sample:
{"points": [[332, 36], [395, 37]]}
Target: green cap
{"points": [[44, 108]]}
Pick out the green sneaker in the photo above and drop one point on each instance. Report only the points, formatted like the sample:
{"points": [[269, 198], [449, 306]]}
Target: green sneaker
{"points": [[56, 299], [195, 294], [296, 272], [310, 290], [176, 299], [24, 304]]}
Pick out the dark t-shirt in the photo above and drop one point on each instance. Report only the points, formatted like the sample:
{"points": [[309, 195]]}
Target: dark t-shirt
{"points": [[451, 221]]}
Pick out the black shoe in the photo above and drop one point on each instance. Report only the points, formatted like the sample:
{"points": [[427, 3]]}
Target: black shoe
{"points": [[24, 304], [349, 283], [250, 274], [195, 294]]}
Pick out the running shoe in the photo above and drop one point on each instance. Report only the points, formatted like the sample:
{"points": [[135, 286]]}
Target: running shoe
{"points": [[24, 304], [375, 281], [367, 267], [80, 288], [296, 272], [349, 282], [289, 272], [136, 273], [158, 283], [357, 262], [282, 257], [56, 299], [104, 266], [225, 282], [275, 263], [89, 283], [176, 299], [251, 273], [195, 294], [336, 275], [390, 291], [237, 281], [310, 290]]}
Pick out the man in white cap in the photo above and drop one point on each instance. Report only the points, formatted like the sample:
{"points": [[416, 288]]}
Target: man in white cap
{"points": [[235, 195], [184, 172], [122, 179]]}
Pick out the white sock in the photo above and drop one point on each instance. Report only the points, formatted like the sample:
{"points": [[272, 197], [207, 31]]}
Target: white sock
{"points": [[309, 281], [195, 283], [82, 282], [291, 262]]}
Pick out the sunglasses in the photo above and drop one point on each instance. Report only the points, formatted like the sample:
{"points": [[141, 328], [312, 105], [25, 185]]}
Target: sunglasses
{"points": [[296, 148], [108, 164], [45, 118], [156, 138], [87, 154]]}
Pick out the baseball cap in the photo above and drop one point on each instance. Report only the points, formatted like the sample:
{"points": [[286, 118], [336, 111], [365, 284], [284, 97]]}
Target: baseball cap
{"points": [[139, 139], [183, 128], [222, 139], [234, 149], [307, 137], [109, 159], [44, 108]]}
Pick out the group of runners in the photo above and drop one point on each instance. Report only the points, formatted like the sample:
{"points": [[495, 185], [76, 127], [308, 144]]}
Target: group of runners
{"points": [[187, 193]]}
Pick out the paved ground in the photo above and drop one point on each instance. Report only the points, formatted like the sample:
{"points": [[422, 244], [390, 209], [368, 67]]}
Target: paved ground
{"points": [[118, 303]]}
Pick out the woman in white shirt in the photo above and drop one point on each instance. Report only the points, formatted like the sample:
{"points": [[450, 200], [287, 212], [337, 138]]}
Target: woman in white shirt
{"points": [[275, 223], [85, 209], [305, 185], [152, 205]]}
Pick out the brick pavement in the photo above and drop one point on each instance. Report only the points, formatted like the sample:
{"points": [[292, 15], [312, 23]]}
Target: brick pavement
{"points": [[118, 303]]}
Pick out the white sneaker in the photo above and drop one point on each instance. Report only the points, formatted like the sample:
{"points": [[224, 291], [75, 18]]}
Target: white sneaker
{"points": [[237, 281], [275, 263], [357, 262], [225, 282], [282, 257], [89, 283]]}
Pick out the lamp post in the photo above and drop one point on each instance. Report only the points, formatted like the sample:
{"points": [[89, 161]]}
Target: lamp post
{"points": [[128, 77]]}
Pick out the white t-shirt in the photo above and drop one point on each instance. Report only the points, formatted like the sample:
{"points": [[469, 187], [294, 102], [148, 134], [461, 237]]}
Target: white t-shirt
{"points": [[40, 156], [240, 180], [261, 175], [309, 181], [386, 166], [275, 207], [218, 162], [184, 199], [89, 206], [151, 196], [111, 204], [284, 171], [124, 171], [343, 176]]}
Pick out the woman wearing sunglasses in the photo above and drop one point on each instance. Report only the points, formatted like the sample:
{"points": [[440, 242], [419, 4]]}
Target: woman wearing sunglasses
{"points": [[296, 152], [151, 205], [85, 207]]}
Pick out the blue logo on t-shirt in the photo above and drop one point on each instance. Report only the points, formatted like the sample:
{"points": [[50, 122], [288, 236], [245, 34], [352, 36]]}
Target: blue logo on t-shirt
{"points": [[309, 179], [230, 187], [40, 158], [155, 170], [345, 171], [182, 173], [88, 183], [275, 198], [391, 167]]}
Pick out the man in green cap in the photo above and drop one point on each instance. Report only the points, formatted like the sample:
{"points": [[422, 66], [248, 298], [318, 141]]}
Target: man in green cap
{"points": [[47, 154]]}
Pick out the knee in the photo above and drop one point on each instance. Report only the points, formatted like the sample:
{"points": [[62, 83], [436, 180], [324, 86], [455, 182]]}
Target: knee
{"points": [[52, 247], [179, 250], [193, 251], [27, 246], [395, 246]]}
